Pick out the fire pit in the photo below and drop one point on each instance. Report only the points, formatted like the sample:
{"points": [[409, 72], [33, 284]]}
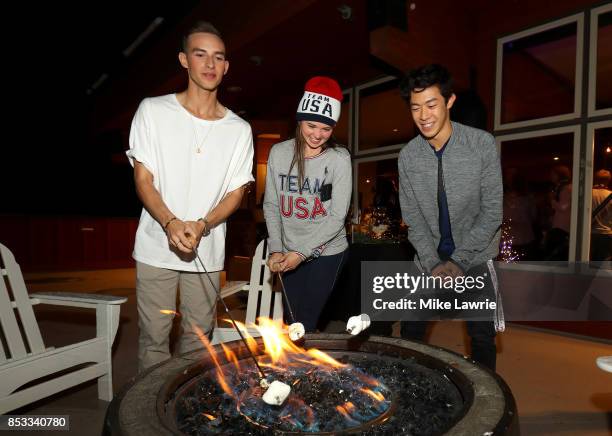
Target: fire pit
{"points": [[365, 385]]}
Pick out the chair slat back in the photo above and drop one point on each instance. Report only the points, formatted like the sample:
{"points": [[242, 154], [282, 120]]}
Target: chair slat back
{"points": [[21, 333], [263, 300]]}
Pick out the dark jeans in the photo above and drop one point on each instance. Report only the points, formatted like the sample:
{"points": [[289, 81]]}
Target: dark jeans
{"points": [[309, 286], [601, 247], [482, 333], [557, 245]]}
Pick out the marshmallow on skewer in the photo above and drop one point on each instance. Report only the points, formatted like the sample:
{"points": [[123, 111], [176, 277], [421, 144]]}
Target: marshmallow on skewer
{"points": [[357, 324], [296, 331], [605, 363], [277, 393]]}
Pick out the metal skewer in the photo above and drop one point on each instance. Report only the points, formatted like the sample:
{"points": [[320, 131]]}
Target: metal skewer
{"points": [[263, 375], [280, 277], [296, 329]]}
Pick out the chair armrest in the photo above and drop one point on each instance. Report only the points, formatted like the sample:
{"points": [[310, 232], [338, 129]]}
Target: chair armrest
{"points": [[232, 287], [75, 299]]}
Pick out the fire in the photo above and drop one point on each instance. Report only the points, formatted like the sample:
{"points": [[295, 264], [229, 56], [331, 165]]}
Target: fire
{"points": [[376, 395], [220, 376], [169, 312], [301, 368], [231, 356], [279, 349], [212, 418], [346, 410]]}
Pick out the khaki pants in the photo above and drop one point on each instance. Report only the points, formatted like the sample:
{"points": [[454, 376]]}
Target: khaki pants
{"points": [[156, 291]]}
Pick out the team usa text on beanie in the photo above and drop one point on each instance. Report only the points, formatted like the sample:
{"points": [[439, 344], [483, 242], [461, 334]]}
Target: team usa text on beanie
{"points": [[321, 101]]}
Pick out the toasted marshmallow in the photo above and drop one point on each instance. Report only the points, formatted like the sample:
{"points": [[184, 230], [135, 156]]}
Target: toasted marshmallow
{"points": [[357, 324], [296, 331], [277, 393]]}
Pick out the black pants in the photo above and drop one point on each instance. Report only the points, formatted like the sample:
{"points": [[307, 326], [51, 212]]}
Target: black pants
{"points": [[482, 333], [309, 286], [601, 247]]}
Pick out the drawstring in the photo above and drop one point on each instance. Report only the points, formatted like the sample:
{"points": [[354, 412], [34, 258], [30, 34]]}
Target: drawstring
{"points": [[499, 320]]}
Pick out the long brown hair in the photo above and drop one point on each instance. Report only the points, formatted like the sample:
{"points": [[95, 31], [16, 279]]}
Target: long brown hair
{"points": [[298, 152]]}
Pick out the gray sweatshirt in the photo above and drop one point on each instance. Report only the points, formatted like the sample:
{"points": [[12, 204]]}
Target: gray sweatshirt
{"points": [[307, 222], [473, 185]]}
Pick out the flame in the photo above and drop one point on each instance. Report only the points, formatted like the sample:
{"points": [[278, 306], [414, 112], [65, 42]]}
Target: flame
{"points": [[281, 350], [276, 343], [169, 312], [280, 355], [230, 356], [346, 411], [283, 360], [278, 348], [220, 376], [251, 342], [325, 358], [376, 395]]}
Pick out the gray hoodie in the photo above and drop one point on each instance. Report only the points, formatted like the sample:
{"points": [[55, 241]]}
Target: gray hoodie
{"points": [[473, 185], [307, 222]]}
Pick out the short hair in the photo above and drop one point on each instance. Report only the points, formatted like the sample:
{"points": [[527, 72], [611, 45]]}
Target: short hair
{"points": [[199, 27], [563, 172], [425, 76], [602, 177]]}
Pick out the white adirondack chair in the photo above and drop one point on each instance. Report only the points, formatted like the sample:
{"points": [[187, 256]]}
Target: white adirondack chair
{"points": [[25, 359], [262, 300]]}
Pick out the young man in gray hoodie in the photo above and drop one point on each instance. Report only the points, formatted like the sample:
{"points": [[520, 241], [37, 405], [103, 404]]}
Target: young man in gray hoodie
{"points": [[451, 196]]}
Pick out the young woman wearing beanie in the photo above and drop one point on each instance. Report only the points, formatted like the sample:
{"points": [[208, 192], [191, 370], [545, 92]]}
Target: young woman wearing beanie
{"points": [[308, 191]]}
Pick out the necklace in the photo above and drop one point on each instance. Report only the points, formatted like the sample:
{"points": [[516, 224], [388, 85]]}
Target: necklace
{"points": [[195, 136]]}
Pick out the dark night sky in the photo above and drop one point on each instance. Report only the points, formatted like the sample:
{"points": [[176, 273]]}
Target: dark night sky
{"points": [[50, 164]]}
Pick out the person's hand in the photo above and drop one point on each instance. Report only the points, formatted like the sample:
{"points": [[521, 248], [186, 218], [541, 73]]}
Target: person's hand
{"points": [[447, 269], [453, 269], [194, 230], [180, 236], [290, 261], [274, 262], [440, 270]]}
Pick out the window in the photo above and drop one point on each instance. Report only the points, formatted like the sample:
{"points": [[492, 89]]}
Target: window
{"points": [[539, 74], [600, 86], [384, 121], [540, 194], [598, 240], [376, 204]]}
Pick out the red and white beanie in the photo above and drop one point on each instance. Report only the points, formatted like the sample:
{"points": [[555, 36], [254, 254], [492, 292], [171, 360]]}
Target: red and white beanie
{"points": [[321, 101]]}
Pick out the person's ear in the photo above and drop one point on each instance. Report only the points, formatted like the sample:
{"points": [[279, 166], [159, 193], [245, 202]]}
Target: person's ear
{"points": [[451, 101], [183, 59]]}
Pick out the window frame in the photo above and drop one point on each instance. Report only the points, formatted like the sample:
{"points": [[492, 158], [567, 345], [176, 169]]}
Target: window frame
{"points": [[358, 89], [575, 130], [579, 19], [356, 163], [594, 34]]}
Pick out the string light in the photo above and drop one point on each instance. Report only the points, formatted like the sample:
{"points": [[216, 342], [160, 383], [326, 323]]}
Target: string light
{"points": [[506, 252]]}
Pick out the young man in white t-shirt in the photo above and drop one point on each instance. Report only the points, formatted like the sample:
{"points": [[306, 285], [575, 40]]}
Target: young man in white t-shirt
{"points": [[192, 160]]}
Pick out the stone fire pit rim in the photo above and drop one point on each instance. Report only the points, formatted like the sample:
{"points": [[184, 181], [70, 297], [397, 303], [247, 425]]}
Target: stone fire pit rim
{"points": [[493, 401]]}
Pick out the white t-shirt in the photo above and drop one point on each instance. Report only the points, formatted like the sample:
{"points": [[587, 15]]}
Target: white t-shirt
{"points": [[163, 138], [602, 224]]}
